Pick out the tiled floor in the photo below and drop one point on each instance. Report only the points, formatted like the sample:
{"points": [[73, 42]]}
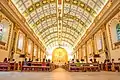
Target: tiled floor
{"points": [[59, 74]]}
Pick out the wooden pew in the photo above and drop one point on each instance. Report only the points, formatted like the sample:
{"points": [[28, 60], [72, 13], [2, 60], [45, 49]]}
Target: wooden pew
{"points": [[4, 66], [35, 66], [84, 67], [13, 66], [91, 67], [115, 67]]}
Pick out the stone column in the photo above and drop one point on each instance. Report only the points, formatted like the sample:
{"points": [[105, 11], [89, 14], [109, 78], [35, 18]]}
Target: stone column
{"points": [[37, 53], [14, 42], [32, 54], [105, 43], [40, 55], [86, 57], [93, 47]]}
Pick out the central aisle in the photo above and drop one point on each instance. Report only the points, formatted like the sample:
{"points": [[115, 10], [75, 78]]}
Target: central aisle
{"points": [[59, 70], [59, 74]]}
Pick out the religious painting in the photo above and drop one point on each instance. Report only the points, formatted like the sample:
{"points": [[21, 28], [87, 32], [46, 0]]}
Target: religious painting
{"points": [[29, 46], [99, 43], [20, 43], [5, 31]]}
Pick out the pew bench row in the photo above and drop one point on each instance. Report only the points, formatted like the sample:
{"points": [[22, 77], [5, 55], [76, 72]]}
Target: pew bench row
{"points": [[8, 66], [20, 67], [84, 67]]}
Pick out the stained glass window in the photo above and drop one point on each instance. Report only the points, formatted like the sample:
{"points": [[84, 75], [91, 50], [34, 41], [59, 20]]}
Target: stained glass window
{"points": [[1, 31], [118, 31]]}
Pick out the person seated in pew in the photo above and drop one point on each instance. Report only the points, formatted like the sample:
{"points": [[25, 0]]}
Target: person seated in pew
{"points": [[95, 61], [91, 61], [109, 65], [13, 60], [77, 63], [29, 62], [43, 63], [36, 60], [71, 65], [72, 61], [68, 62], [48, 62], [104, 64], [8, 59], [25, 62], [119, 65], [113, 65], [5, 60]]}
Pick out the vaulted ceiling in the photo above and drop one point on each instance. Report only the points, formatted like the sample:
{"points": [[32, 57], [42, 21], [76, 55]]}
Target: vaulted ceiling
{"points": [[59, 22]]}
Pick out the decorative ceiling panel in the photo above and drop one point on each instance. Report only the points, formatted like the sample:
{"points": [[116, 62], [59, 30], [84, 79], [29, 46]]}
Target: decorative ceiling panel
{"points": [[59, 24]]}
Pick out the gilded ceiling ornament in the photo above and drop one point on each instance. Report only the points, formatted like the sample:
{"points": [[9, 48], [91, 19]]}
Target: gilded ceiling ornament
{"points": [[77, 14]]}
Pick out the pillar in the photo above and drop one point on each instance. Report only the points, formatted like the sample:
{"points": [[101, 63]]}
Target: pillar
{"points": [[86, 57]]}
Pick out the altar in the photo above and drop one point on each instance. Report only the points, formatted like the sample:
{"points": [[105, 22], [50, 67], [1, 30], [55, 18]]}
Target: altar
{"points": [[60, 56]]}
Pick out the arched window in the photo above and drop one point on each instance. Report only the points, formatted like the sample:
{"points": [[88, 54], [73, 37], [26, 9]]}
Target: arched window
{"points": [[118, 31], [1, 31]]}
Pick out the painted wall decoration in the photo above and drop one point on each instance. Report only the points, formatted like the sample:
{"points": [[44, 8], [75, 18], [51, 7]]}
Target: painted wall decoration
{"points": [[29, 46], [118, 31], [20, 41]]}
